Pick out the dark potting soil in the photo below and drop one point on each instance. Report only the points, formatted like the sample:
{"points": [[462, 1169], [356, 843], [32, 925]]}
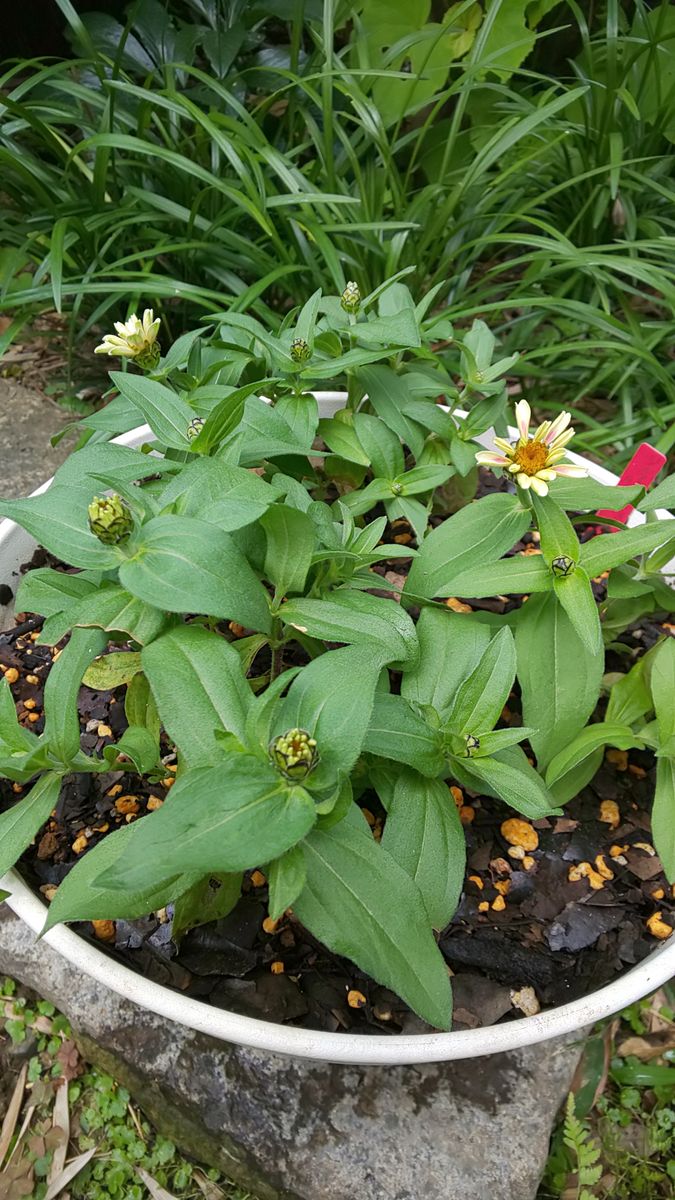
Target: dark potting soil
{"points": [[534, 922]]}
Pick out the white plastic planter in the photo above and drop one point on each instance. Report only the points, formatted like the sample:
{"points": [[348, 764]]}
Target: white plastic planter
{"points": [[16, 548]]}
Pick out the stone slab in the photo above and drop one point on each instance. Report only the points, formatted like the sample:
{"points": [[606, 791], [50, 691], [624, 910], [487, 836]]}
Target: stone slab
{"points": [[294, 1130], [27, 422]]}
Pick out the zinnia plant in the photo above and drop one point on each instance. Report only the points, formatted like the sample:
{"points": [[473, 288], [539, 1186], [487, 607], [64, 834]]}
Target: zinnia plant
{"points": [[242, 574]]}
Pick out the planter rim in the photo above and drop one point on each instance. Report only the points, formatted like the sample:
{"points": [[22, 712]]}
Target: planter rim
{"points": [[288, 1040]]}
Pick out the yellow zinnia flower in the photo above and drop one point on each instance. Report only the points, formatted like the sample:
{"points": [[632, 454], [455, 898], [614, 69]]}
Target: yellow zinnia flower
{"points": [[135, 338], [534, 460]]}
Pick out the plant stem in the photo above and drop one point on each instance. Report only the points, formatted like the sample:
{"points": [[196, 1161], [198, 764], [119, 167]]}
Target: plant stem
{"points": [[277, 662]]}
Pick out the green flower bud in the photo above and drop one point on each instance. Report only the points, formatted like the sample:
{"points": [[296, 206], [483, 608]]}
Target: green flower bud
{"points": [[300, 350], [294, 753], [562, 565], [195, 427], [351, 297], [472, 744], [110, 519], [148, 359], [397, 489]]}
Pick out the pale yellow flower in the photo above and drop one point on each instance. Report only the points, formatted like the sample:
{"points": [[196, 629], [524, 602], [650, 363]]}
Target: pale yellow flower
{"points": [[534, 460], [135, 338]]}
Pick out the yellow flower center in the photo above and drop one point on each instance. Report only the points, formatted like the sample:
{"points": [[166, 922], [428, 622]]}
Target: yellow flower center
{"points": [[531, 457]]}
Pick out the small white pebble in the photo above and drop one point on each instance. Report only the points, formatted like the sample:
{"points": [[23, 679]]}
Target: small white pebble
{"points": [[526, 1000]]}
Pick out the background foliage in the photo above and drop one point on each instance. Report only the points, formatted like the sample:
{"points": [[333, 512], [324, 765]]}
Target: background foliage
{"points": [[204, 153]]}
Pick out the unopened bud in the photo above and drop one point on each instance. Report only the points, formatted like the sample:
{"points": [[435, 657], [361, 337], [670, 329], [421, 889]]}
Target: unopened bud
{"points": [[294, 753], [562, 565], [110, 519], [472, 744], [195, 427], [300, 350], [351, 297]]}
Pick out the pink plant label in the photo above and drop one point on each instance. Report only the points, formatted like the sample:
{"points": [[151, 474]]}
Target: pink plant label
{"points": [[643, 468]]}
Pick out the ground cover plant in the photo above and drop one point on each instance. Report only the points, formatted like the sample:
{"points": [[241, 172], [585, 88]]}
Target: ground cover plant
{"points": [[205, 151], [234, 583], [69, 1127], [616, 1136]]}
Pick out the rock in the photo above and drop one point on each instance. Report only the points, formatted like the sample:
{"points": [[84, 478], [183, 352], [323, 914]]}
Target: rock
{"points": [[27, 422], [294, 1130]]}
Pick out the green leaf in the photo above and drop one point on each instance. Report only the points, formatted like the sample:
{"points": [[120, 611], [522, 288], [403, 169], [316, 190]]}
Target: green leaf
{"points": [[451, 645], [584, 745], [113, 608], [559, 678], [216, 819], [388, 393], [511, 777], [47, 592], [396, 731], [342, 439], [482, 696], [62, 722], [558, 535], [112, 670], [84, 468], [199, 686], [265, 434], [396, 329], [139, 746], [58, 520], [356, 617], [383, 448], [286, 878], [14, 739], [362, 904], [423, 479], [662, 683], [576, 596], [332, 698], [662, 496], [663, 815], [624, 585], [195, 567], [306, 320], [140, 707], [609, 550], [167, 415], [212, 898], [630, 697], [575, 495], [225, 417], [575, 780], [82, 897], [424, 834], [500, 739], [291, 538], [520, 576], [478, 534], [219, 493], [20, 823]]}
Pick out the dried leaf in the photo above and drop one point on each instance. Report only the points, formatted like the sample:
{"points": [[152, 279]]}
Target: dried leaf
{"points": [[209, 1189], [155, 1189], [69, 1172], [12, 1114], [68, 1058], [645, 1049], [28, 1117], [60, 1121], [17, 1180]]}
